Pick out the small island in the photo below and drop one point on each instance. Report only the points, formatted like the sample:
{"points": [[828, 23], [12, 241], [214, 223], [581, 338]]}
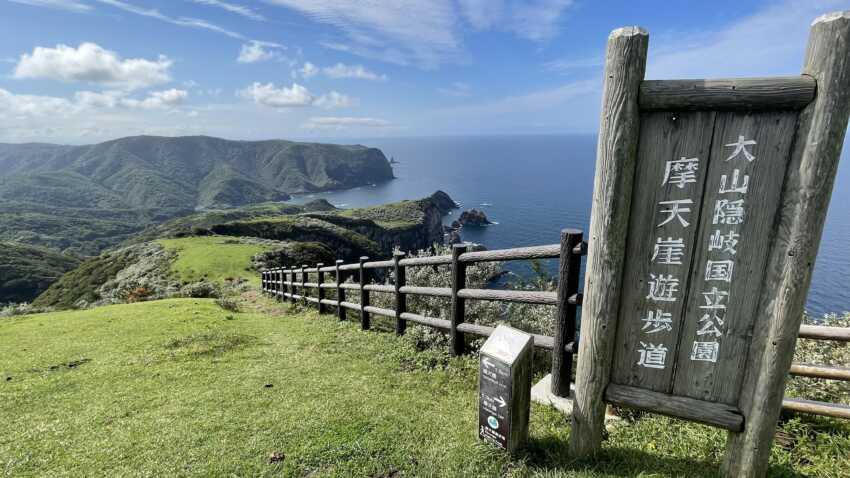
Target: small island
{"points": [[471, 217]]}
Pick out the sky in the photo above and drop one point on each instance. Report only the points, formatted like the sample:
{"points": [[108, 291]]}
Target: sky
{"points": [[83, 71]]}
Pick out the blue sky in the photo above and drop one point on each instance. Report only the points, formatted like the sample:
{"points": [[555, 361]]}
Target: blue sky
{"points": [[80, 71]]}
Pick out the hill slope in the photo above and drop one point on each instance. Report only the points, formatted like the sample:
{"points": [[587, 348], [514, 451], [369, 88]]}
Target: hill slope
{"points": [[25, 271], [86, 198]]}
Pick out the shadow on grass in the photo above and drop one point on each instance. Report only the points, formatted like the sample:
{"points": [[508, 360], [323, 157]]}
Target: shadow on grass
{"points": [[551, 454]]}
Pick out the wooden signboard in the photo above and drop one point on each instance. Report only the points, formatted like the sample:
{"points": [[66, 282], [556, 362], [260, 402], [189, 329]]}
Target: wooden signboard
{"points": [[709, 202]]}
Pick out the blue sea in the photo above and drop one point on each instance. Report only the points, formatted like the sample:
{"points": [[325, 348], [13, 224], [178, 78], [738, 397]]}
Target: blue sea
{"points": [[534, 186]]}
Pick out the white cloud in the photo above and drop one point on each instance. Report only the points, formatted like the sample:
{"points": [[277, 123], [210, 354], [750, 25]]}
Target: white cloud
{"points": [[69, 5], [308, 70], [257, 51], [92, 99], [158, 100], [335, 100], [282, 97], [13, 105], [769, 42], [341, 70], [233, 8], [402, 31], [535, 20], [456, 89], [343, 122], [93, 64]]}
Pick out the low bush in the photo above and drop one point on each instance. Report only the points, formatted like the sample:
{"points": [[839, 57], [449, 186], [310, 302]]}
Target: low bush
{"points": [[201, 290]]}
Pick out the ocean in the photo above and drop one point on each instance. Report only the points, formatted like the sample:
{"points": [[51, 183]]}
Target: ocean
{"points": [[534, 186]]}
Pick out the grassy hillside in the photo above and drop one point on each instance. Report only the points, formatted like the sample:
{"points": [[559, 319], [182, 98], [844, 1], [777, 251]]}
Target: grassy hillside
{"points": [[63, 196], [184, 388], [212, 258], [26, 271]]}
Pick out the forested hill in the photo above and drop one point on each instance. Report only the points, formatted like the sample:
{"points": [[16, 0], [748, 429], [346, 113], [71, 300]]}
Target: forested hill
{"points": [[83, 199], [185, 172]]}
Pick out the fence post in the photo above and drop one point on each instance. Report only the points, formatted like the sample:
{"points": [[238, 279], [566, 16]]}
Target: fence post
{"points": [[292, 288], [400, 299], [364, 295], [340, 292], [320, 277], [458, 304], [565, 320], [263, 281], [303, 284], [278, 289]]}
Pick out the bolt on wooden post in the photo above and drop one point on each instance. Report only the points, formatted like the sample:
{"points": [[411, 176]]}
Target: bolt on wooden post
{"points": [[565, 318], [364, 295], [340, 292], [400, 297], [458, 342], [320, 278]]}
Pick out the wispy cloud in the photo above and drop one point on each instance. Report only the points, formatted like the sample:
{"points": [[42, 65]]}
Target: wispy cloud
{"points": [[341, 70], [69, 5], [345, 122], [92, 63], [403, 31], [233, 8], [179, 21], [457, 89], [568, 64], [531, 19]]}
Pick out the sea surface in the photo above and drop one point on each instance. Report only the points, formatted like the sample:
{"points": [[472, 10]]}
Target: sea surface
{"points": [[532, 187]]}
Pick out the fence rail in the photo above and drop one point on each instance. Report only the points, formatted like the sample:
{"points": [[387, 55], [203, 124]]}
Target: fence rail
{"points": [[283, 283]]}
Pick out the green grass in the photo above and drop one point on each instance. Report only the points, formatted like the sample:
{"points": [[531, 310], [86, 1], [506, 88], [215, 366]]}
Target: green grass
{"points": [[212, 258], [181, 388]]}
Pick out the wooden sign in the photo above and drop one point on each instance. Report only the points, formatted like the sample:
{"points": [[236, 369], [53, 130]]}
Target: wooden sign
{"points": [[709, 202], [504, 391]]}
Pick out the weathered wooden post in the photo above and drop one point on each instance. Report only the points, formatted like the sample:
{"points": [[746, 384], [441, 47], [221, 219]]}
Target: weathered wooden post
{"points": [[565, 319], [504, 388], [703, 240], [400, 298], [340, 292], [278, 290], [263, 275], [303, 284], [458, 342], [805, 198], [320, 278], [625, 64], [364, 295]]}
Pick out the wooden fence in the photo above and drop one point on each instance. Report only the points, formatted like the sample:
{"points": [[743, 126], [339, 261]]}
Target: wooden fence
{"points": [[284, 284]]}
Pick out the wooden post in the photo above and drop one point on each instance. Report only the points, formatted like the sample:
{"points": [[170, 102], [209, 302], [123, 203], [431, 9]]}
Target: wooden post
{"points": [[263, 275], [364, 295], [805, 198], [625, 64], [400, 298], [458, 304], [565, 320], [304, 287], [320, 277], [292, 288], [278, 290], [340, 292]]}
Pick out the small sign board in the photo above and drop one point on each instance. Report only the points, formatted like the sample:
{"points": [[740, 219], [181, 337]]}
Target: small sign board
{"points": [[505, 388]]}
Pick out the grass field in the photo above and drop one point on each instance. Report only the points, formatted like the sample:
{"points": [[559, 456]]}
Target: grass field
{"points": [[212, 258], [183, 388]]}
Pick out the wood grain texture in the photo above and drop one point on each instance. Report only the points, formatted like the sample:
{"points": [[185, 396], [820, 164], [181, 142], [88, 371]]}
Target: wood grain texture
{"points": [[825, 409], [773, 133], [625, 64], [709, 413], [747, 94], [805, 199], [664, 137], [340, 292], [430, 321], [820, 371], [320, 279], [550, 251], [569, 268], [430, 291], [820, 332], [384, 289], [365, 322], [427, 261], [518, 295]]}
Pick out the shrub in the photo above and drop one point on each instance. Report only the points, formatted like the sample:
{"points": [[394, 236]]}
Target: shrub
{"points": [[228, 303], [139, 294], [10, 310], [201, 290]]}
